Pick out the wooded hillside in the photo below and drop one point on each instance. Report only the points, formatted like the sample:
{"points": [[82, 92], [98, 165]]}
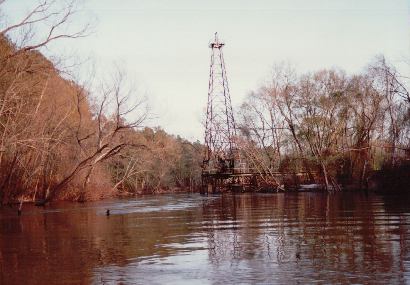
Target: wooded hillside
{"points": [[55, 144]]}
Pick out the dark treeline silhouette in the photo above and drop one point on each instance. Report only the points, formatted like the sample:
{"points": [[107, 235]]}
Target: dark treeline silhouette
{"points": [[335, 129]]}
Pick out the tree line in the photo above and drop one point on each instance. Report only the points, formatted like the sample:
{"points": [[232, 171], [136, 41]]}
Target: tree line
{"points": [[336, 129], [65, 139]]}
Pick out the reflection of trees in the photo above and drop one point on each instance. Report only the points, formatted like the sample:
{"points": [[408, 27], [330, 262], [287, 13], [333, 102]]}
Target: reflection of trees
{"points": [[337, 238], [69, 245], [308, 234]]}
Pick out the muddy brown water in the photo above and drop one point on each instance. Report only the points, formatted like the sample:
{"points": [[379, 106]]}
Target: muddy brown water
{"points": [[295, 238]]}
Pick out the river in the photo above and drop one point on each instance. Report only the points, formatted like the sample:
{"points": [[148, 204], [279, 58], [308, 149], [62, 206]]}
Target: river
{"points": [[293, 238]]}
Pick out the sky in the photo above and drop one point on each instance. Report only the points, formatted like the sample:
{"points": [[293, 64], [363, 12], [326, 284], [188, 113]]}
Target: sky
{"points": [[163, 44]]}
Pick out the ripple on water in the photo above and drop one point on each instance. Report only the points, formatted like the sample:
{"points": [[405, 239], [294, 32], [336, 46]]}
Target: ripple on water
{"points": [[189, 239]]}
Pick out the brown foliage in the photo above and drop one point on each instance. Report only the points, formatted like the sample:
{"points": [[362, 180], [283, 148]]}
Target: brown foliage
{"points": [[344, 126]]}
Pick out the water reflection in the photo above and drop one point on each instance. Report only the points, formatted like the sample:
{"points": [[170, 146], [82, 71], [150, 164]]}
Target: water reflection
{"points": [[275, 238]]}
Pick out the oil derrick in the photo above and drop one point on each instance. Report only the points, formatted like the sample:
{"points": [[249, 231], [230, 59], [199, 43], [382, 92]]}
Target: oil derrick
{"points": [[220, 125], [220, 131]]}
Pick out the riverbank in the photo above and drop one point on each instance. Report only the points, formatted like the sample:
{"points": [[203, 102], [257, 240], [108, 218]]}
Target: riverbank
{"points": [[387, 181]]}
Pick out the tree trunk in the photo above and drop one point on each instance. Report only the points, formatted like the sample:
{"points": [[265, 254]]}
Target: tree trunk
{"points": [[325, 175]]}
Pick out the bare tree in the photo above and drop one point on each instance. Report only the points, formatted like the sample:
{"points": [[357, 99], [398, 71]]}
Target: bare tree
{"points": [[103, 140], [344, 126], [54, 15]]}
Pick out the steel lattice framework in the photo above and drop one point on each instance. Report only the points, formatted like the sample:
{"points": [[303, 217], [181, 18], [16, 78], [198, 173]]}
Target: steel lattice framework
{"points": [[220, 129]]}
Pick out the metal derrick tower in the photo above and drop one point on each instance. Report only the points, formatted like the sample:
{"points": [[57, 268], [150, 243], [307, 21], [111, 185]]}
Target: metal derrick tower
{"points": [[220, 170], [223, 168], [220, 130]]}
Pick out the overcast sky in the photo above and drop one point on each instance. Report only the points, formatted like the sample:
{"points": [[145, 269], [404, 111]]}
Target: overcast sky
{"points": [[164, 44]]}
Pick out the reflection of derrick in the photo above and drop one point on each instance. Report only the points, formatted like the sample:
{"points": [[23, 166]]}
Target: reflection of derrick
{"points": [[221, 165]]}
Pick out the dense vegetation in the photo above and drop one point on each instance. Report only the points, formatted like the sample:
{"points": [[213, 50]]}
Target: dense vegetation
{"points": [[65, 139], [333, 128], [62, 139], [54, 142]]}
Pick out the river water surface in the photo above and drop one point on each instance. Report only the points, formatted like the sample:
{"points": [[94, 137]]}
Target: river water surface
{"points": [[294, 238]]}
